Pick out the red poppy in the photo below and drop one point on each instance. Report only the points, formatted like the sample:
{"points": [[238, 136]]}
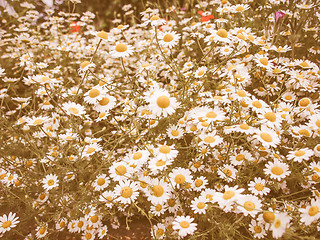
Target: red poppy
{"points": [[205, 18], [74, 27]]}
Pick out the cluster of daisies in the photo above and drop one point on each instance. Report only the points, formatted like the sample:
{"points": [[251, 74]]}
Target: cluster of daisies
{"points": [[189, 118]]}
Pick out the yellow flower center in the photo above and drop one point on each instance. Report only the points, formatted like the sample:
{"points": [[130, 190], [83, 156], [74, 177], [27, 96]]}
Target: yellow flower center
{"points": [[94, 93], [209, 139], [163, 101], [159, 232], [249, 206], [222, 33], [179, 179], [198, 183], [239, 157], [90, 150], [84, 64], [257, 104], [228, 195], [184, 224], [165, 149], [304, 102], [137, 155], [259, 187], [201, 72], [266, 137], [304, 64], [299, 153], [211, 115], [154, 17], [121, 47], [101, 181], [157, 190], [126, 192], [175, 133], [242, 93], [94, 219], [201, 205], [158, 207], [239, 9], [104, 101], [257, 229], [264, 61], [160, 163], [50, 182], [121, 170], [37, 122], [88, 236], [42, 230], [6, 224], [277, 170], [168, 37], [277, 223], [103, 35], [313, 210], [270, 116], [73, 110]]}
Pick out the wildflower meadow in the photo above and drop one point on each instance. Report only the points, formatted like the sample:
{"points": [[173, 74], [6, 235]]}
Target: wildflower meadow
{"points": [[201, 119]]}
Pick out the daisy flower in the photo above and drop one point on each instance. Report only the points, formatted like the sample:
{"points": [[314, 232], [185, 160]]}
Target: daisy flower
{"points": [[102, 231], [200, 72], [263, 61], [242, 156], [267, 137], [257, 229], [72, 108], [36, 121], [210, 139], [91, 149], [311, 213], [158, 209], [126, 191], [94, 95], [88, 235], [199, 205], [120, 171], [221, 35], [7, 222], [121, 50], [277, 170], [101, 182], [249, 205], [160, 103], [280, 224], [106, 103], [41, 231], [184, 225], [227, 172], [159, 191], [228, 197], [166, 152], [158, 164], [180, 176], [107, 197], [50, 181], [174, 132], [300, 154], [258, 186], [168, 39], [159, 231], [199, 183]]}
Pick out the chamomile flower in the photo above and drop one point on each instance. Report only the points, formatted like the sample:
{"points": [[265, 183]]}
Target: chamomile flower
{"points": [[168, 39], [157, 165], [200, 72], [277, 170], [61, 224], [311, 213], [227, 172], [184, 225], [158, 230], [7, 222], [161, 103], [299, 155], [126, 191], [249, 205], [41, 231], [158, 209], [101, 182], [258, 186], [210, 139], [121, 50], [166, 152], [267, 137], [37, 121], [257, 229], [228, 197], [72, 108], [263, 61], [94, 95], [91, 149], [50, 181], [175, 132], [159, 191], [106, 103], [107, 197], [199, 205], [280, 224], [199, 184], [180, 176], [102, 231], [119, 171]]}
